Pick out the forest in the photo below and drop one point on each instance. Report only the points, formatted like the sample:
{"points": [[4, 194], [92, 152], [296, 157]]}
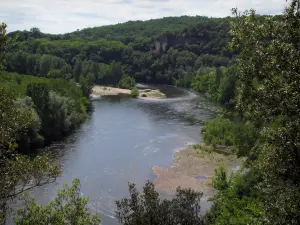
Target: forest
{"points": [[248, 63], [156, 51]]}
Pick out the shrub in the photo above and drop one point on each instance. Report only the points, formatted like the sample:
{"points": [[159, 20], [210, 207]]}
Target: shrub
{"points": [[134, 93], [224, 132], [148, 208], [219, 132], [67, 208], [144, 95], [127, 82]]}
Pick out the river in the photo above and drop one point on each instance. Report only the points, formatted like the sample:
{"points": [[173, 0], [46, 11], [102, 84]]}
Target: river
{"points": [[122, 140]]}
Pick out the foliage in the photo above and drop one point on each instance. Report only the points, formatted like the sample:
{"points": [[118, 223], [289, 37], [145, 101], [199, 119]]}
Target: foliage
{"points": [[127, 82], [67, 208], [18, 172], [220, 84], [261, 93], [134, 93], [39, 94], [221, 181], [267, 99], [157, 51], [219, 132], [30, 137], [21, 122], [237, 200], [62, 115], [66, 108], [149, 208], [269, 95], [225, 132], [3, 45]]}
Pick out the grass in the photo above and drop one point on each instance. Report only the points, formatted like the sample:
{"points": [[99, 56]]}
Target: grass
{"points": [[213, 155]]}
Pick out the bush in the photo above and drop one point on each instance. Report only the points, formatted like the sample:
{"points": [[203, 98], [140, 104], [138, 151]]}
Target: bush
{"points": [[219, 132], [148, 208], [144, 95], [134, 93], [67, 208], [127, 82], [224, 132]]}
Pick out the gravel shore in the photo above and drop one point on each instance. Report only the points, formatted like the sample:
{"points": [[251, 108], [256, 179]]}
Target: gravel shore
{"points": [[192, 168]]}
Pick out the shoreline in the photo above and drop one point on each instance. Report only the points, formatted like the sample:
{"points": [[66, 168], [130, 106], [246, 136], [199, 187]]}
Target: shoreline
{"points": [[99, 91], [192, 168]]}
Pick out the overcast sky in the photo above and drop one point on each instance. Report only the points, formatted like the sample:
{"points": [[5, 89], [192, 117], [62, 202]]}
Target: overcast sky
{"points": [[61, 16]]}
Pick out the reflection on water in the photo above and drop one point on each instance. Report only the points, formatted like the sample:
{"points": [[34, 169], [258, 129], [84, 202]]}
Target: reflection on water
{"points": [[122, 141]]}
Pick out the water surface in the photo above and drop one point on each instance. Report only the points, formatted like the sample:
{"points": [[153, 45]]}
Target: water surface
{"points": [[122, 141]]}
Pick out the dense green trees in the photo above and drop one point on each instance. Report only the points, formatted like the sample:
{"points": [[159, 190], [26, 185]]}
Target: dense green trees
{"points": [[266, 190], [3, 45], [29, 108], [157, 51], [59, 105], [238, 200], [18, 172], [126, 82], [269, 95], [147, 208], [223, 132], [219, 83], [35, 64]]}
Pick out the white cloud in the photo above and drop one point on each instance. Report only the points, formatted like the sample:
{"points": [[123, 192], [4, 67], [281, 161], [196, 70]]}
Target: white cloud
{"points": [[60, 16]]}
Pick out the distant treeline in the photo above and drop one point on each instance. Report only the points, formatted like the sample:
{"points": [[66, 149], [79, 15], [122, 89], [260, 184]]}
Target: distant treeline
{"points": [[157, 51]]}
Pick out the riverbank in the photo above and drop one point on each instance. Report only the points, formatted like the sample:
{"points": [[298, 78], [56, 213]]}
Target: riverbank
{"points": [[193, 168], [99, 91]]}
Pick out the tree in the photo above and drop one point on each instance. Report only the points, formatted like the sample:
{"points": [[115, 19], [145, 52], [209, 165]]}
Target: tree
{"points": [[77, 70], [269, 95], [117, 72], [148, 208], [20, 121], [39, 93], [35, 32], [237, 200], [18, 172], [86, 84], [30, 137], [67, 208], [62, 116], [127, 82], [3, 45]]}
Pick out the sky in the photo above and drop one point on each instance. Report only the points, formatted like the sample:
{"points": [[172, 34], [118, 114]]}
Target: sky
{"points": [[62, 16]]}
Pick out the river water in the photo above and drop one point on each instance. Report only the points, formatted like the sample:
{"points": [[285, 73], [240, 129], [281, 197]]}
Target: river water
{"points": [[120, 143]]}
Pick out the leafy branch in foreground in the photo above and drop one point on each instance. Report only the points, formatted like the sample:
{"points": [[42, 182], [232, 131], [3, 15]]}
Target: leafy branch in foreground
{"points": [[67, 208], [148, 208]]}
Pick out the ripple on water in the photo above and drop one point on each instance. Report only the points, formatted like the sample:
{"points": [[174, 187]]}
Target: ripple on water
{"points": [[122, 141]]}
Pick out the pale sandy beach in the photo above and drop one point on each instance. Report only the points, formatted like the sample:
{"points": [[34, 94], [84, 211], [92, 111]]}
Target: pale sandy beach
{"points": [[192, 168], [112, 91]]}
